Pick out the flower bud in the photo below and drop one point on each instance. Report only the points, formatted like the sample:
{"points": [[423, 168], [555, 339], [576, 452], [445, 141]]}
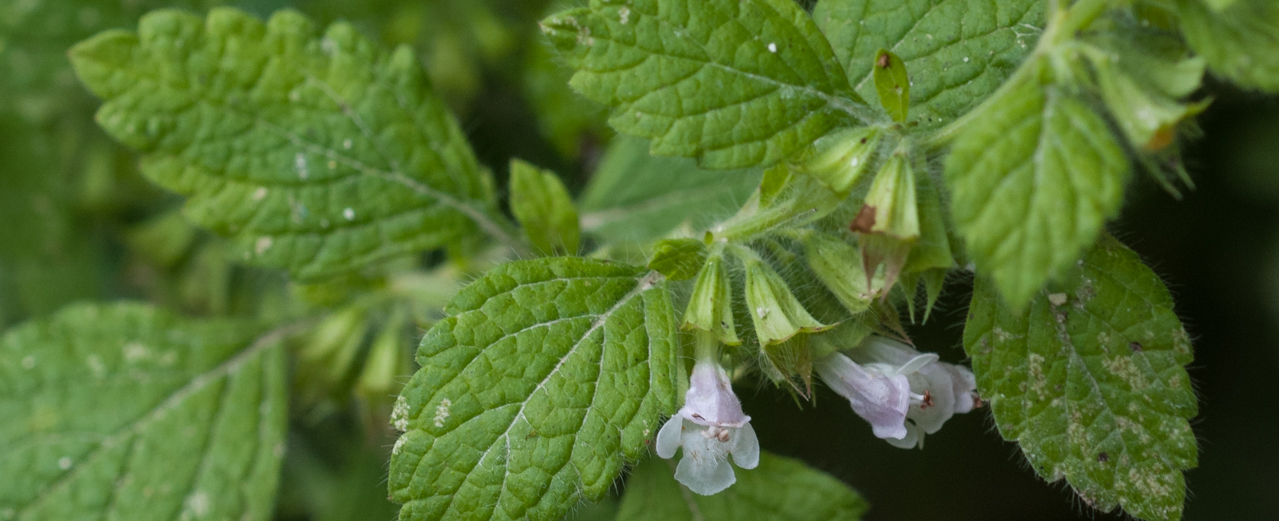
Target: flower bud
{"points": [[1149, 119], [776, 312], [327, 359], [839, 266], [710, 307], [888, 223], [840, 158], [387, 364], [890, 207]]}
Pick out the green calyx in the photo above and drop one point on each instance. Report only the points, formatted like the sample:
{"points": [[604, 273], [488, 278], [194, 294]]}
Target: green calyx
{"points": [[710, 306], [841, 159], [774, 310]]}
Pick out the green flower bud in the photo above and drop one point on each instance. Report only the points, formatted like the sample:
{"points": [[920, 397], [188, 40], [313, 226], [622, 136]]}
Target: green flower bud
{"points": [[890, 207], [842, 157], [678, 259], [385, 370], [839, 266], [327, 358], [1147, 117], [776, 312], [711, 306], [387, 363]]}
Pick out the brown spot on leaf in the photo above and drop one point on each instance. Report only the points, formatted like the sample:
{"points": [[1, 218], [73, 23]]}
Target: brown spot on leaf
{"points": [[883, 61], [1103, 457], [1136, 347]]}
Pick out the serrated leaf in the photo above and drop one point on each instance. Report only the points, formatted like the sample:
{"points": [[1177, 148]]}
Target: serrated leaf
{"points": [[128, 412], [1089, 378], [1238, 41], [315, 154], [546, 376], [892, 85], [957, 51], [634, 196], [733, 83], [778, 489], [1032, 182], [543, 207]]}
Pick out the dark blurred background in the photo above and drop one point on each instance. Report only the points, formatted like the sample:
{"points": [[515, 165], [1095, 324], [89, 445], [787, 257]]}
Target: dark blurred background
{"points": [[74, 218]]}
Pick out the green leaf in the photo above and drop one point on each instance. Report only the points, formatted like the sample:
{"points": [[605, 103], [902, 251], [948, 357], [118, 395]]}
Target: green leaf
{"points": [[892, 85], [315, 154], [1032, 182], [778, 489], [736, 84], [542, 205], [125, 411], [634, 196], [957, 51], [1239, 41], [1090, 380], [546, 376]]}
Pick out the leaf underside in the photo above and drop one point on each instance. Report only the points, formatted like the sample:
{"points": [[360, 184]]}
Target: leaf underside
{"points": [[1032, 183], [546, 376], [315, 154], [1089, 378], [127, 412]]}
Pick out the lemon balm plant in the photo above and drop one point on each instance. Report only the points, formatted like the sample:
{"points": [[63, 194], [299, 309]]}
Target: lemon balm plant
{"points": [[789, 189]]}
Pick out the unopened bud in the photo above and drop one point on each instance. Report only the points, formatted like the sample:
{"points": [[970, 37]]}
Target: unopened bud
{"points": [[710, 307], [841, 158], [776, 312], [839, 266]]}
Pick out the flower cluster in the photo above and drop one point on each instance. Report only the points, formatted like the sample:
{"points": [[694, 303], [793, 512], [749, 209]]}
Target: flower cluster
{"points": [[903, 393], [710, 427]]}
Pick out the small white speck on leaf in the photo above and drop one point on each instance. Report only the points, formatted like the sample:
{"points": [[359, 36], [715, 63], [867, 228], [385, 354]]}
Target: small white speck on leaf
{"points": [[399, 442], [965, 59], [442, 412], [347, 144], [259, 194], [262, 245], [198, 504], [29, 362], [349, 214], [96, 365], [772, 47], [1057, 299], [64, 463], [624, 15], [761, 311], [300, 162], [134, 351], [400, 414]]}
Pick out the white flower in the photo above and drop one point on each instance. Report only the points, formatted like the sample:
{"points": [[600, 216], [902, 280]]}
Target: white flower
{"points": [[903, 393], [710, 427]]}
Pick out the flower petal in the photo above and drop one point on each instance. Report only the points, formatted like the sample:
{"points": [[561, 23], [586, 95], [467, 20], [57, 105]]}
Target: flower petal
{"points": [[705, 475], [710, 399], [669, 439], [745, 447]]}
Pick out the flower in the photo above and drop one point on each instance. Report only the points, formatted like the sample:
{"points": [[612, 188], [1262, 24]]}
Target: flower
{"points": [[903, 393], [710, 427]]}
